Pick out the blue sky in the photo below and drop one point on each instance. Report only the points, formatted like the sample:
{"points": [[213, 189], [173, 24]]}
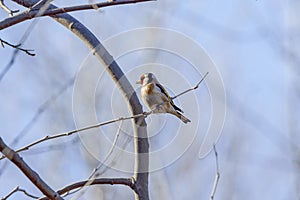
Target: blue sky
{"points": [[250, 43]]}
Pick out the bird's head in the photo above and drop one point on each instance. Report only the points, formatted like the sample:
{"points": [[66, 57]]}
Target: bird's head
{"points": [[147, 78]]}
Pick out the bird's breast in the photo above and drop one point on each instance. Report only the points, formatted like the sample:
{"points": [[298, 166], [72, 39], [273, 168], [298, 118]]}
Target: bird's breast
{"points": [[148, 89]]}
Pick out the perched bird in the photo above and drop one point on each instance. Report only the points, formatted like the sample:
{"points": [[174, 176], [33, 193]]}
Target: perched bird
{"points": [[155, 96]]}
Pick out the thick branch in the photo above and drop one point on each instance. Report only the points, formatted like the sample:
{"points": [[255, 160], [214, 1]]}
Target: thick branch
{"points": [[31, 175], [99, 181], [35, 12], [139, 124]]}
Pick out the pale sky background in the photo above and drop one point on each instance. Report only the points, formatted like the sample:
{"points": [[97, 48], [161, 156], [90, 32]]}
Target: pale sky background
{"points": [[254, 46]]}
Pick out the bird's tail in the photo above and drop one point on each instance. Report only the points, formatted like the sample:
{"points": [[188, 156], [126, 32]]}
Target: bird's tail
{"points": [[180, 116]]}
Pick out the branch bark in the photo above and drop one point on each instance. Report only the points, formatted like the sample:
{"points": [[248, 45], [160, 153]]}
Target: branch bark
{"points": [[31, 174], [99, 181], [139, 125], [34, 12]]}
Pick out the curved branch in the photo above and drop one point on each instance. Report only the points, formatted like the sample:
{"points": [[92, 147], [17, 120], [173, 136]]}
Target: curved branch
{"points": [[35, 12], [99, 181], [29, 173], [141, 165]]}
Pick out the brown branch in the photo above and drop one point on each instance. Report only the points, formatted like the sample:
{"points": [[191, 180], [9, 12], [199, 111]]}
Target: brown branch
{"points": [[27, 51], [18, 189], [94, 6], [141, 144], [9, 11], [213, 192], [100, 181], [35, 12], [28, 172]]}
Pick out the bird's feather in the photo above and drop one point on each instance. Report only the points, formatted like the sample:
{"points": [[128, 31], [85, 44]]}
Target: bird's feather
{"points": [[164, 91]]}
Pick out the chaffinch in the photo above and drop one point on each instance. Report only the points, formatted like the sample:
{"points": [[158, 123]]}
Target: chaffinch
{"points": [[155, 96]]}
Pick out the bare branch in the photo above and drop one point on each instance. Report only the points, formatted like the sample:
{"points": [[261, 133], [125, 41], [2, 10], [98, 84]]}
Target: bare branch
{"points": [[94, 6], [116, 156], [42, 5], [27, 51], [108, 154], [17, 189], [193, 88], [28, 172], [141, 144], [100, 181], [95, 173], [217, 175], [9, 11], [35, 12], [144, 114], [41, 109], [51, 137]]}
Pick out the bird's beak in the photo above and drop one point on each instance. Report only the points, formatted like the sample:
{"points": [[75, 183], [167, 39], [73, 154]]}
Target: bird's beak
{"points": [[138, 82]]}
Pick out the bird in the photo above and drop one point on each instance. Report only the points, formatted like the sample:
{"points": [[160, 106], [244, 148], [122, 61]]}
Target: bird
{"points": [[156, 97]]}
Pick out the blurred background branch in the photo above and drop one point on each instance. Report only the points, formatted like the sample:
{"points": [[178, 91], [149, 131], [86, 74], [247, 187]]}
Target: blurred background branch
{"points": [[18, 189]]}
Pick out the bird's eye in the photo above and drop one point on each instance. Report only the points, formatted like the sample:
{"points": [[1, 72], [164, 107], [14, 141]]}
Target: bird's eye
{"points": [[142, 78]]}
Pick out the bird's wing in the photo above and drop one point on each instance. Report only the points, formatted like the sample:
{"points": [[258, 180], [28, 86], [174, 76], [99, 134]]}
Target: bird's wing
{"points": [[164, 91]]}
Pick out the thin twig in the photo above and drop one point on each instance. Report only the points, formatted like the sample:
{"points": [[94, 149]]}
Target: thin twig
{"points": [[42, 108], [18, 189], [217, 175], [145, 114], [115, 158], [43, 5], [27, 51], [193, 88], [94, 174], [9, 11], [108, 154], [51, 137]]}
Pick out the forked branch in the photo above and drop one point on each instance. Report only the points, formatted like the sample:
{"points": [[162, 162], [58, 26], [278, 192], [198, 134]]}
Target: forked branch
{"points": [[18, 46], [18, 189], [28, 172]]}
